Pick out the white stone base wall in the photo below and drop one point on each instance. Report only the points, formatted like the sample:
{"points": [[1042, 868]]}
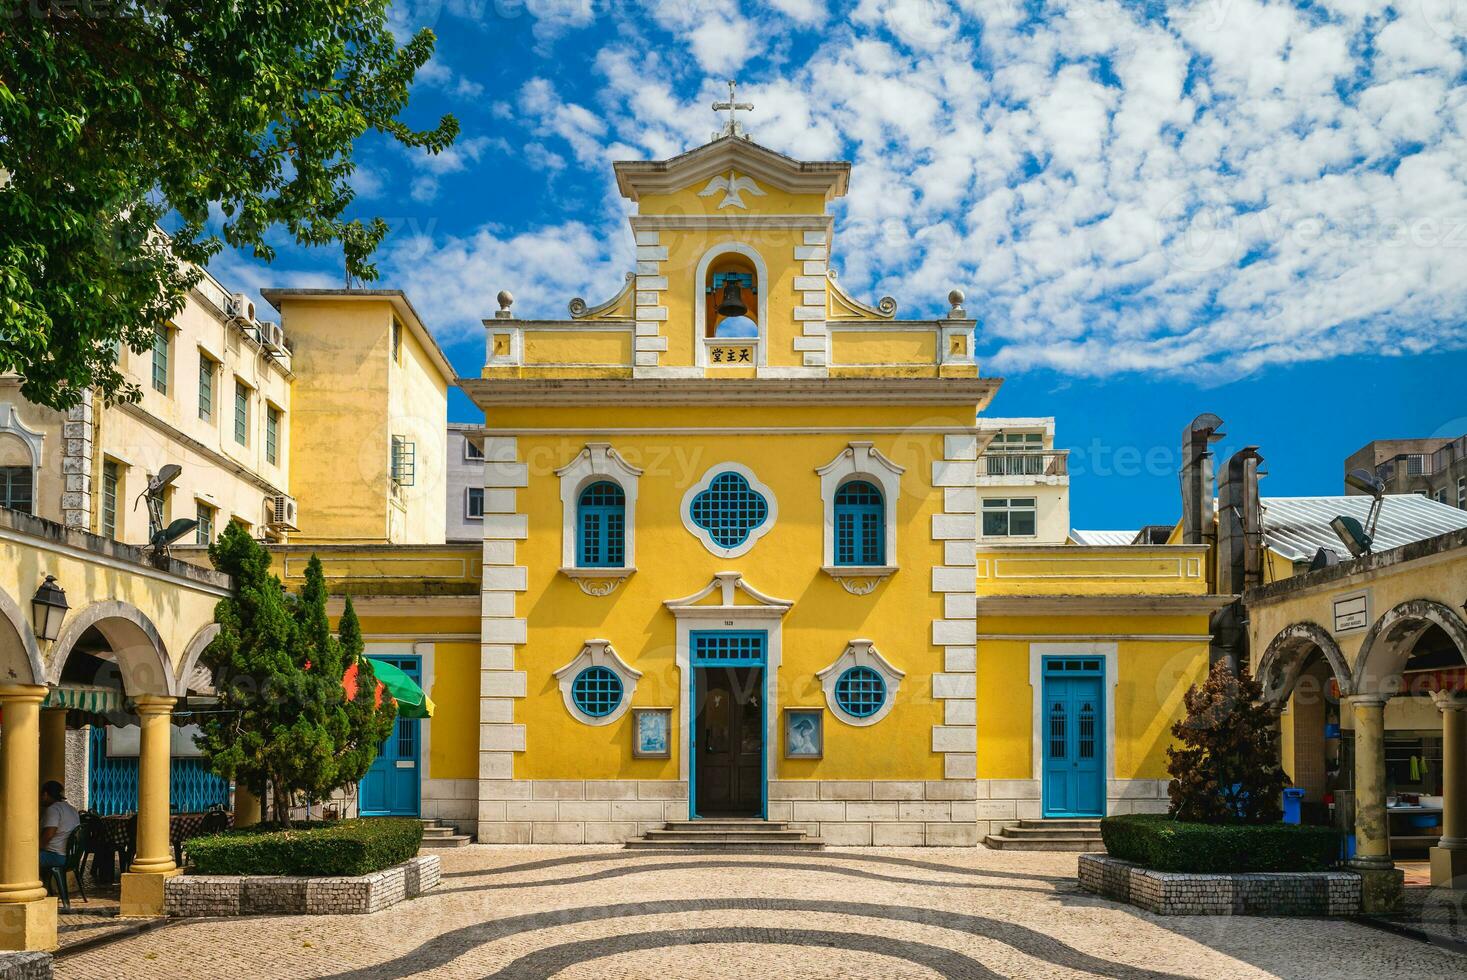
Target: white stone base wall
{"points": [[937, 813], [881, 812], [452, 801], [576, 811], [1002, 802]]}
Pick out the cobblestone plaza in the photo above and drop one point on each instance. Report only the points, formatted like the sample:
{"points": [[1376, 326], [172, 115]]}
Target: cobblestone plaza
{"points": [[604, 912]]}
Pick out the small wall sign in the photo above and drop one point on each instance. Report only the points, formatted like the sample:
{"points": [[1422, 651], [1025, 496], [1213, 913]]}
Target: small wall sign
{"points": [[1352, 612]]}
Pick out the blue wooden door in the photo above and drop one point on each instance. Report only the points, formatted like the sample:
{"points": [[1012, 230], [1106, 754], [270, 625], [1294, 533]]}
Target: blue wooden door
{"points": [[1073, 737], [391, 785]]}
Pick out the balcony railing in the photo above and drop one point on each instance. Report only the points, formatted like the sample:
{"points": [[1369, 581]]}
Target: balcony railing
{"points": [[1423, 464], [1019, 463]]}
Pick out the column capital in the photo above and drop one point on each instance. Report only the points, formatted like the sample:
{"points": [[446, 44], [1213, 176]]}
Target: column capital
{"points": [[154, 704], [1450, 700], [34, 693], [1367, 700]]}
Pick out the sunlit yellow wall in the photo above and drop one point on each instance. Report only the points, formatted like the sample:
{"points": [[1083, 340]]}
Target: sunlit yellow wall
{"points": [[785, 563], [1091, 571], [550, 347], [1151, 681], [339, 427], [417, 409], [885, 347], [773, 201], [454, 752]]}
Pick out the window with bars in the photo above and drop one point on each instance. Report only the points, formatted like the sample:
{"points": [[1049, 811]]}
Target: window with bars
{"points": [[272, 434], [160, 361], [204, 533], [404, 461], [206, 387], [860, 692], [729, 509], [241, 412], [474, 504], [17, 489], [601, 526], [728, 647], [1015, 454], [111, 477], [1057, 730], [1087, 731], [1010, 517], [597, 691], [860, 525]]}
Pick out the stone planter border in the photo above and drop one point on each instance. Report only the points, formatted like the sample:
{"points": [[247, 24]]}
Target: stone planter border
{"points": [[233, 895], [1325, 893], [25, 966]]}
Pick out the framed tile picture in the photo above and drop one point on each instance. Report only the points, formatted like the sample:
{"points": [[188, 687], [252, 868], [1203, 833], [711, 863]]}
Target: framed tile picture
{"points": [[804, 733], [651, 733]]}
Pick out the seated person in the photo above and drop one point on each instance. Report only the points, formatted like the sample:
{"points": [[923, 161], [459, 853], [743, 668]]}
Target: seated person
{"points": [[59, 821]]}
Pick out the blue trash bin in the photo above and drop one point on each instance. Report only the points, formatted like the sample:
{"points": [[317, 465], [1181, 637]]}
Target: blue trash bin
{"points": [[1293, 800]]}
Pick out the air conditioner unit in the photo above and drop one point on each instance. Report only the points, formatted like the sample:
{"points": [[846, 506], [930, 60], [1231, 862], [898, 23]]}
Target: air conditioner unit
{"points": [[272, 338], [282, 512], [240, 306]]}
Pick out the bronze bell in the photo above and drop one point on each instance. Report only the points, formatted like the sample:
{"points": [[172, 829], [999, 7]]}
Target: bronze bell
{"points": [[732, 303]]}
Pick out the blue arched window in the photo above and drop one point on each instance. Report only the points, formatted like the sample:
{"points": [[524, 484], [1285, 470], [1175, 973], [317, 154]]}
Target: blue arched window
{"points": [[601, 520], [860, 525]]}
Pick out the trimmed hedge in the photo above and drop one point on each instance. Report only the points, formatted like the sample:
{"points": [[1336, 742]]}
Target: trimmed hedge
{"points": [[347, 848], [1158, 842]]}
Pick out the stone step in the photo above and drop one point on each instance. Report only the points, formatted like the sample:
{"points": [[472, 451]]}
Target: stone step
{"points": [[999, 842], [723, 823], [1052, 833], [725, 834], [453, 840], [756, 845], [1089, 823], [438, 832]]}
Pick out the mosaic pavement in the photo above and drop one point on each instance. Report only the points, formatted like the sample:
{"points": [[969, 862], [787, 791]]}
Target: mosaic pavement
{"points": [[603, 912]]}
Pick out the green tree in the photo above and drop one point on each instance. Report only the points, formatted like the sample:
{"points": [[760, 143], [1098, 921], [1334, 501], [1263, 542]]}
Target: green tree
{"points": [[285, 722], [1228, 768], [115, 114]]}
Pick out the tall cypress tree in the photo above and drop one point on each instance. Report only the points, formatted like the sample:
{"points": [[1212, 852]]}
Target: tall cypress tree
{"points": [[285, 721]]}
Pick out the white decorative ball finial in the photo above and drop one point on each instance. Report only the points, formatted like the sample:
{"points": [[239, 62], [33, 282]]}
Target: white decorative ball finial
{"points": [[506, 300]]}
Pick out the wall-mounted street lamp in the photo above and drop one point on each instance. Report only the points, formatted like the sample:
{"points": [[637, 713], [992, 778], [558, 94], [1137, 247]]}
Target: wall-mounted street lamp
{"points": [[48, 609]]}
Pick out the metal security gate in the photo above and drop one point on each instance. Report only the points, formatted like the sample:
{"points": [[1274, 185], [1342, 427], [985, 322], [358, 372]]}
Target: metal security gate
{"points": [[112, 781]]}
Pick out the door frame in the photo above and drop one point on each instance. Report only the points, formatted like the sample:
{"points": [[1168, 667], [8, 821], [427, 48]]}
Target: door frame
{"points": [[1039, 653], [690, 736], [419, 748]]}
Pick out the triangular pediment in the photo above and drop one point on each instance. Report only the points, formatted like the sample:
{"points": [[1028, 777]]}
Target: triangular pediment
{"points": [[636, 178]]}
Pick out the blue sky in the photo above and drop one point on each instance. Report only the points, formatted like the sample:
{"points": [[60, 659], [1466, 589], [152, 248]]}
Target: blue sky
{"points": [[1257, 209]]}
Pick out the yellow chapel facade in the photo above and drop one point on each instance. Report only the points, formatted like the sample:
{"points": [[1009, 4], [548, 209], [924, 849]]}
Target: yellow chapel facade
{"points": [[752, 548]]}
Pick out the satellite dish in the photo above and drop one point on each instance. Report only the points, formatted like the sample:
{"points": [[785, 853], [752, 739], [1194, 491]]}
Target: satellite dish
{"points": [[175, 530]]}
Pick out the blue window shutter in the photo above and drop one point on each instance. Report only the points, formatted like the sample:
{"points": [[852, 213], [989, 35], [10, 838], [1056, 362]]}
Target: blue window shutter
{"points": [[601, 526], [860, 525]]}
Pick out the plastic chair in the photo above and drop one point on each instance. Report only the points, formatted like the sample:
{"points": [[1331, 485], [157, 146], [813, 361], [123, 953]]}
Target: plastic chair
{"points": [[76, 850]]}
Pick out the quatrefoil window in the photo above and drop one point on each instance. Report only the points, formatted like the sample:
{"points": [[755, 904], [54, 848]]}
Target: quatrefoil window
{"points": [[729, 509]]}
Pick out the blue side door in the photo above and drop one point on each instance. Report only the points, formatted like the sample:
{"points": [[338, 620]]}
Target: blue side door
{"points": [[391, 785], [1073, 737]]}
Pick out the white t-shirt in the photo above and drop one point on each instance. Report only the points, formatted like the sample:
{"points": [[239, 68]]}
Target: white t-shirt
{"points": [[63, 816]]}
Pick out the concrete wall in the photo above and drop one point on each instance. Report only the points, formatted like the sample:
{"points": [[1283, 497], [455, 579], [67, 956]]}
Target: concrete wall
{"points": [[462, 473]]}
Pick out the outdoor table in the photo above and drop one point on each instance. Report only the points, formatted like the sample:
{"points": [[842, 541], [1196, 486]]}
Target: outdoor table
{"points": [[116, 832]]}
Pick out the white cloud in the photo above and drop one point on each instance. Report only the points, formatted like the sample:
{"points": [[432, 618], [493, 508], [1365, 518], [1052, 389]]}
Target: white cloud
{"points": [[1246, 182]]}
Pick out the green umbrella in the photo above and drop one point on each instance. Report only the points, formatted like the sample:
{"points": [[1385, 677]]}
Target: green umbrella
{"points": [[412, 701]]}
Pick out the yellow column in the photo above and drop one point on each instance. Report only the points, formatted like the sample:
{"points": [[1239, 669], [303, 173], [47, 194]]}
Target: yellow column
{"points": [[142, 885], [1381, 882], [246, 807], [27, 915], [1449, 856], [53, 745]]}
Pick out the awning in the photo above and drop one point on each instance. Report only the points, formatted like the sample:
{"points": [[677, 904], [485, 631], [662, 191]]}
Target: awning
{"points": [[412, 701], [85, 697]]}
